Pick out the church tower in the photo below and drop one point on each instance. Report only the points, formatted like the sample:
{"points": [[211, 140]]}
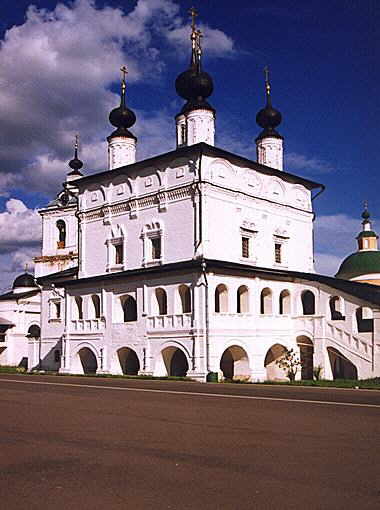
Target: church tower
{"points": [[364, 265], [269, 143], [196, 121], [60, 225], [121, 143]]}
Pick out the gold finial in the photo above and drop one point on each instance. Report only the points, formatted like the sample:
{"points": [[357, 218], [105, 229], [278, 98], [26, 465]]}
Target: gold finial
{"points": [[365, 204], [267, 84], [26, 267], [193, 13], [124, 72], [76, 143]]}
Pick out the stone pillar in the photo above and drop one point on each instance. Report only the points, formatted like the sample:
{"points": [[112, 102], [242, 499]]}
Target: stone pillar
{"points": [[270, 152], [121, 151]]}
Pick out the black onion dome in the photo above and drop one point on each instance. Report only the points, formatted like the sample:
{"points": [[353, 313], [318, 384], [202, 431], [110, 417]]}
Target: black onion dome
{"points": [[268, 117], [193, 84], [365, 214], [122, 117], [76, 164], [24, 280]]}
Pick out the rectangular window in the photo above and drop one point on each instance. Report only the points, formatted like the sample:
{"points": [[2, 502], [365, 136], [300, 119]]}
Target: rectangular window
{"points": [[119, 254], [156, 248], [183, 134], [57, 310], [245, 247], [277, 253]]}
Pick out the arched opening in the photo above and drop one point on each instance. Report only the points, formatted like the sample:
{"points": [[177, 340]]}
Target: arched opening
{"points": [[306, 356], [221, 299], [34, 331], [284, 302], [242, 305], [234, 363], [335, 312], [308, 302], [274, 372], [61, 227], [88, 361], [341, 367], [78, 307], [129, 309], [185, 298], [95, 306], [266, 301], [129, 362], [161, 301], [176, 363], [364, 319]]}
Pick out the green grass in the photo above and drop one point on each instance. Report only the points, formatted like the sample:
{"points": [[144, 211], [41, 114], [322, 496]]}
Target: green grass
{"points": [[370, 384]]}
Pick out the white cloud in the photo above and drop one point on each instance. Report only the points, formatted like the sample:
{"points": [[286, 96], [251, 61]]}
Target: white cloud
{"points": [[295, 162], [214, 41], [67, 58], [19, 227], [327, 264]]}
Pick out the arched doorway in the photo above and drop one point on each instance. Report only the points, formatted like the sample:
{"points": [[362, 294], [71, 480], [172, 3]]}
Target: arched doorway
{"points": [[306, 356], [129, 361], [341, 367], [274, 372], [176, 363], [88, 361], [234, 363]]}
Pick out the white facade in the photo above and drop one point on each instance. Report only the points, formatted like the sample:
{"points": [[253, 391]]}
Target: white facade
{"points": [[270, 152], [121, 151], [183, 264], [22, 310]]}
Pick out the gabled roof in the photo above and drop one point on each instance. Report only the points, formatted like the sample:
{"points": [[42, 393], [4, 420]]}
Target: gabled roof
{"points": [[200, 148], [14, 296], [53, 277], [364, 291]]}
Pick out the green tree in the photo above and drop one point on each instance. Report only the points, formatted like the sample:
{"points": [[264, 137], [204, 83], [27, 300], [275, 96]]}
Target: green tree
{"points": [[290, 362]]}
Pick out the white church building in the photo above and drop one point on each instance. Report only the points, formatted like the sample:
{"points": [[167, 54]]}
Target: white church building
{"points": [[197, 262]]}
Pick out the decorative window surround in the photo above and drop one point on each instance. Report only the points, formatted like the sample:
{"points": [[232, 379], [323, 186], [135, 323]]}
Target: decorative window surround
{"points": [[247, 231], [55, 310], [149, 233], [280, 239], [113, 264]]}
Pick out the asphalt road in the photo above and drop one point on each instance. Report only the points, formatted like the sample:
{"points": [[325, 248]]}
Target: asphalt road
{"points": [[85, 443]]}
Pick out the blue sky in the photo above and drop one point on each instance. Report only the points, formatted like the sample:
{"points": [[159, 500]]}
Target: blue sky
{"points": [[59, 67]]}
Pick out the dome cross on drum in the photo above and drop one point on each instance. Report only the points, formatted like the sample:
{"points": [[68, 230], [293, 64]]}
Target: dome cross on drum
{"points": [[196, 121]]}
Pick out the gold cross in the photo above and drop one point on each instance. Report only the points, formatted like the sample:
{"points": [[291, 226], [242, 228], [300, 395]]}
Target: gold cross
{"points": [[267, 84], [266, 72], [124, 72], [193, 13]]}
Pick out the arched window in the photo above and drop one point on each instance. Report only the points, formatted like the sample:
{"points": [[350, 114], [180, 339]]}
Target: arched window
{"points": [[266, 301], [129, 308], [96, 306], [284, 303], [335, 311], [161, 301], [61, 226], [78, 307], [364, 319], [308, 302], [221, 299], [242, 305], [185, 297], [34, 331]]}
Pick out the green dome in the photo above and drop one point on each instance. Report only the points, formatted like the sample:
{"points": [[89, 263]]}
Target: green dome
{"points": [[359, 263], [367, 233]]}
